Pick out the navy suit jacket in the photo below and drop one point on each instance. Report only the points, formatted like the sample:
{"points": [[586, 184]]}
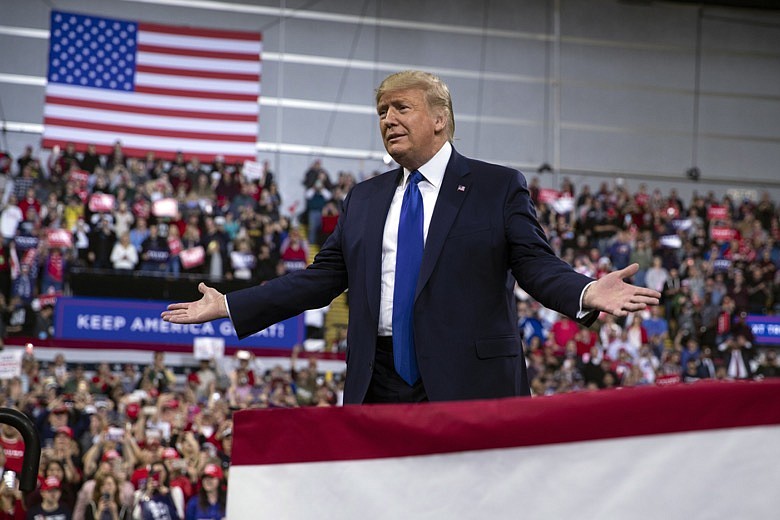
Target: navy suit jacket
{"points": [[483, 234]]}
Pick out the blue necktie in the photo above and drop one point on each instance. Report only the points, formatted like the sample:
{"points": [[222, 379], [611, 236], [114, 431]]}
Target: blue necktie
{"points": [[407, 268]]}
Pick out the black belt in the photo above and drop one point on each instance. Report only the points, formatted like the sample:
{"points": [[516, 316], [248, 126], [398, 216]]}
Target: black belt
{"points": [[384, 343]]}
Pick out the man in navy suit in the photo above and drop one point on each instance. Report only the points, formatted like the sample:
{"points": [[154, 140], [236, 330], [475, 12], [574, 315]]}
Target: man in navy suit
{"points": [[480, 233]]}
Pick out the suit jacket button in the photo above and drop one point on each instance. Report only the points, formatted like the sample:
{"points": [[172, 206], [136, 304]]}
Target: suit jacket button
{"points": [[371, 366]]}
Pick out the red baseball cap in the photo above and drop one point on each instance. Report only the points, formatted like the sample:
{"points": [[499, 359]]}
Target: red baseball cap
{"points": [[51, 483], [212, 470], [111, 455], [173, 403], [170, 453], [132, 410], [66, 430]]}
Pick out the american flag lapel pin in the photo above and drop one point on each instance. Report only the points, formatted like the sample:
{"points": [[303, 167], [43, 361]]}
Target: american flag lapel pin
{"points": [[461, 187]]}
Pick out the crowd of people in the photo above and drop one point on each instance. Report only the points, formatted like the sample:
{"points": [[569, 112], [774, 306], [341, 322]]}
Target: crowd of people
{"points": [[136, 442], [714, 259], [140, 442]]}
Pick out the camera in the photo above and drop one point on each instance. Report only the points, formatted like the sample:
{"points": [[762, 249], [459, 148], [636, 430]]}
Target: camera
{"points": [[115, 434]]}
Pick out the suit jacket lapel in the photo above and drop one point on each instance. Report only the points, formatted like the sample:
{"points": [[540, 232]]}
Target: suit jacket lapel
{"points": [[454, 189], [378, 205]]}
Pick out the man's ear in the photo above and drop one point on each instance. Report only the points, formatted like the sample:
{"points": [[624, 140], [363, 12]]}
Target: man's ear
{"points": [[440, 121]]}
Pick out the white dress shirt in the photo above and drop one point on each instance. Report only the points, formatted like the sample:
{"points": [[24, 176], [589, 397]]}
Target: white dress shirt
{"points": [[433, 171]]}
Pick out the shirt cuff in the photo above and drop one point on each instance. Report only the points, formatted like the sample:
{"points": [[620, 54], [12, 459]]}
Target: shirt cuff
{"points": [[227, 308], [582, 312]]}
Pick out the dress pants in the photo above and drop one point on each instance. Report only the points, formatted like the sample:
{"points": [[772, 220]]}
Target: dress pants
{"points": [[386, 385]]}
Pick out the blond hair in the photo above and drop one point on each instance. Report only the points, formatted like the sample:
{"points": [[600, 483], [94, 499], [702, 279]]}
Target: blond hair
{"points": [[437, 94]]}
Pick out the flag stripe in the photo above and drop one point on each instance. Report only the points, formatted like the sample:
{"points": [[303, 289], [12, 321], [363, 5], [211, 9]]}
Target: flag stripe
{"points": [[727, 474], [151, 69], [160, 154], [153, 87], [130, 119], [54, 101], [171, 51], [135, 99], [410, 430], [196, 147], [205, 33], [194, 42], [198, 63], [195, 94], [159, 132], [197, 85]]}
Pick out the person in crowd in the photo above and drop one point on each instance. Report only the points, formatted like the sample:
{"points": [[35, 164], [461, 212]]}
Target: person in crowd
{"points": [[211, 500], [124, 255], [106, 503], [316, 198], [768, 365], [158, 375], [156, 500], [52, 506], [11, 502], [101, 243], [154, 252]]}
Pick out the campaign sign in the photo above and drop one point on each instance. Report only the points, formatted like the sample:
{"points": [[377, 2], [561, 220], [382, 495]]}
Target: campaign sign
{"points": [[165, 208], [10, 364], [548, 195], [717, 213], [100, 319], [80, 178], [722, 234], [59, 238], [766, 329], [101, 202], [192, 257], [252, 170]]}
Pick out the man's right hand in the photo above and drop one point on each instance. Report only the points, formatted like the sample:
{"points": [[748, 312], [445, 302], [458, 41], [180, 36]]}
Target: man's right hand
{"points": [[211, 306]]}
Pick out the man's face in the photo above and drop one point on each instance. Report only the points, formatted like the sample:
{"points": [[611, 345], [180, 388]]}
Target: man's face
{"points": [[411, 132]]}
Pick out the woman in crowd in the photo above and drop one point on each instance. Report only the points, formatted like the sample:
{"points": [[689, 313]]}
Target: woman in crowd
{"points": [[105, 503], [156, 500], [210, 502]]}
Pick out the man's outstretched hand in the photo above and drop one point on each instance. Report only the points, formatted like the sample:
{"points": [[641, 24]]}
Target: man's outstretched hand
{"points": [[211, 307], [611, 294]]}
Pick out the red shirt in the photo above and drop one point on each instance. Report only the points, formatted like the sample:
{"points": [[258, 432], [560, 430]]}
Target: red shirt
{"points": [[14, 453], [564, 330]]}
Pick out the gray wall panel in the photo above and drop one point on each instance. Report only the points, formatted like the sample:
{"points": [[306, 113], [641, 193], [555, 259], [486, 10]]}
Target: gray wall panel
{"points": [[609, 151], [666, 25], [741, 75], [746, 117], [729, 158], [648, 68], [637, 110]]}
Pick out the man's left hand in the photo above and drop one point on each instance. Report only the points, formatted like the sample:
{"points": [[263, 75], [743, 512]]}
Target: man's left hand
{"points": [[611, 294]]}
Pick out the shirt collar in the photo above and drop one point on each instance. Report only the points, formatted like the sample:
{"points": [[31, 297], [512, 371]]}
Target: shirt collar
{"points": [[433, 170]]}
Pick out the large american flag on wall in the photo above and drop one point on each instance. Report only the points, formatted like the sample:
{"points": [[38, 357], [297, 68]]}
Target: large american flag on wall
{"points": [[152, 87]]}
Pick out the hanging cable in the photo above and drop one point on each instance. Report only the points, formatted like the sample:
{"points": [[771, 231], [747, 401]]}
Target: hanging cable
{"points": [[344, 73], [4, 129], [481, 81], [693, 172]]}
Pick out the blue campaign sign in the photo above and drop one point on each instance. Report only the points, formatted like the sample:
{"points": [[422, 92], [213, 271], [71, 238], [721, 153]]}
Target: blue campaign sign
{"points": [[139, 321], [766, 329]]}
